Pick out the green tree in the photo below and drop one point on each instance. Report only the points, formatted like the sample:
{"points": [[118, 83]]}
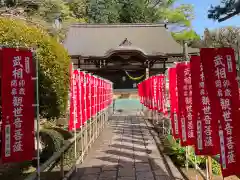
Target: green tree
{"points": [[137, 11], [53, 63], [47, 11], [102, 11], [108, 11], [78, 8], [224, 11], [179, 19], [142, 11], [186, 35], [181, 16]]}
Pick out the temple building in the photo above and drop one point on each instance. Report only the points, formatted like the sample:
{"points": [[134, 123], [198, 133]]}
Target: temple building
{"points": [[123, 53]]}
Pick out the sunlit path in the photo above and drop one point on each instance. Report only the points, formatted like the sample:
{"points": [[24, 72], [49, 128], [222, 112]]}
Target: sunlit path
{"points": [[125, 151]]}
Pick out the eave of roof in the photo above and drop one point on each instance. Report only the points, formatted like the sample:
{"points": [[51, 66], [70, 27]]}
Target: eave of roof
{"points": [[96, 40]]}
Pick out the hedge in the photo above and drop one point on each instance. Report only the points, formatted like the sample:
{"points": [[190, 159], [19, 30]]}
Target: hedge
{"points": [[53, 140], [53, 62]]}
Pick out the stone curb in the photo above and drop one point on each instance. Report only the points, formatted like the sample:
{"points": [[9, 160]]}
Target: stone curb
{"points": [[172, 169]]}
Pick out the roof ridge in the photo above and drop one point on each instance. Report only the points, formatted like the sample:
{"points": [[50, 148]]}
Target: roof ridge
{"points": [[104, 25]]}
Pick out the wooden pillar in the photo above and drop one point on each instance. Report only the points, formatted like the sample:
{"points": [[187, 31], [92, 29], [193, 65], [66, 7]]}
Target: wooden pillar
{"points": [[210, 174], [164, 65], [79, 62], [147, 70]]}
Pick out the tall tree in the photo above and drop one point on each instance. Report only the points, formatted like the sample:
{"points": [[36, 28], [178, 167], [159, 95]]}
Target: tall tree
{"points": [[102, 11], [138, 11], [142, 11], [222, 37], [179, 19], [186, 35], [78, 8], [54, 15], [110, 11], [224, 11]]}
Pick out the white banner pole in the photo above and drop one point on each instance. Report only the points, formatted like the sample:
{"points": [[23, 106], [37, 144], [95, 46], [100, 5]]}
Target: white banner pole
{"points": [[38, 118]]}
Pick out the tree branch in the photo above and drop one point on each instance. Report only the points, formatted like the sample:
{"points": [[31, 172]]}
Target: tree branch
{"points": [[228, 16]]}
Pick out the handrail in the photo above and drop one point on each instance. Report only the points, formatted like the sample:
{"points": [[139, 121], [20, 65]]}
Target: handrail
{"points": [[54, 157], [67, 145]]}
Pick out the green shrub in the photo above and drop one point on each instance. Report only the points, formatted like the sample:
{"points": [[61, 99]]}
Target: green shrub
{"points": [[53, 63], [52, 141], [174, 150], [216, 167], [178, 155], [65, 133]]}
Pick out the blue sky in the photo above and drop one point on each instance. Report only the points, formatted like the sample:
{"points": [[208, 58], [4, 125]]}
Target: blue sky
{"points": [[201, 21]]}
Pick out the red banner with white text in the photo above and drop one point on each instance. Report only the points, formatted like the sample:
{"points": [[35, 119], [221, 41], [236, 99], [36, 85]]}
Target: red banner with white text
{"points": [[206, 133], [164, 97], [77, 99], [160, 93], [173, 101], [219, 67], [71, 109], [154, 92], [17, 105], [184, 86], [82, 93]]}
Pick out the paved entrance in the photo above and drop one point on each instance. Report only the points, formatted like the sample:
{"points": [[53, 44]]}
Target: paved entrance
{"points": [[125, 151]]}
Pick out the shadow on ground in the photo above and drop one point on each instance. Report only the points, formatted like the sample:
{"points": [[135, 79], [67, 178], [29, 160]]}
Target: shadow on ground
{"points": [[125, 151]]}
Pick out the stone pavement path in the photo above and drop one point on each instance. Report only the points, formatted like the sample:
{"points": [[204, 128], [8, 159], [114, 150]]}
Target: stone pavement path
{"points": [[124, 151]]}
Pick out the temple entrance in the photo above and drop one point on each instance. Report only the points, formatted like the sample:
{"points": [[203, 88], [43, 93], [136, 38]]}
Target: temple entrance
{"points": [[123, 79], [125, 54]]}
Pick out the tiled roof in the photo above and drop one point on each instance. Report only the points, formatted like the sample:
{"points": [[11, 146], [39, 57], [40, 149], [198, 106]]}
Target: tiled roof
{"points": [[98, 39]]}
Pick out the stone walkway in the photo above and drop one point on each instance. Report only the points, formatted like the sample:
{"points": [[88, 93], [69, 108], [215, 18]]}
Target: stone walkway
{"points": [[124, 151]]}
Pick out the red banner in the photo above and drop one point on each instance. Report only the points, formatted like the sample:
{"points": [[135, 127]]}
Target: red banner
{"points": [[160, 94], [155, 81], [157, 100], [88, 96], [98, 95], [101, 94], [17, 105], [164, 100], [104, 94], [219, 68], [75, 115], [77, 99], [144, 93], [71, 109], [82, 92], [173, 101], [150, 81], [93, 95], [207, 142], [87, 76], [184, 86]]}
